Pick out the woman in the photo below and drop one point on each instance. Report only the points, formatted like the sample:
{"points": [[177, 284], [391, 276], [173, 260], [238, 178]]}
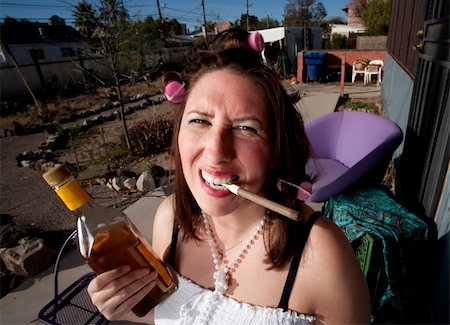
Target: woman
{"points": [[237, 262]]}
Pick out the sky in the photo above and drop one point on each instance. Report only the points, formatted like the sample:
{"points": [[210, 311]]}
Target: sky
{"points": [[188, 12]]}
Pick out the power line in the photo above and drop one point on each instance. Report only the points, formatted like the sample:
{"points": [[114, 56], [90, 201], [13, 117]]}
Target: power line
{"points": [[189, 15]]}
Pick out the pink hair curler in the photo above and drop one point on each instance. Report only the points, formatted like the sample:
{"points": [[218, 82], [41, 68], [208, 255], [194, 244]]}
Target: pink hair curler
{"points": [[304, 190], [256, 41], [175, 92]]}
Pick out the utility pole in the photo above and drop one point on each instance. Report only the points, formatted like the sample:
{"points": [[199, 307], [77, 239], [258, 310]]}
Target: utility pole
{"points": [[162, 36], [204, 23], [248, 28], [268, 21], [161, 19], [159, 10]]}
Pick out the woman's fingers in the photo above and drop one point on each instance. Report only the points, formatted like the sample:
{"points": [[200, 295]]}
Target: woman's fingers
{"points": [[129, 296], [105, 278], [117, 291]]}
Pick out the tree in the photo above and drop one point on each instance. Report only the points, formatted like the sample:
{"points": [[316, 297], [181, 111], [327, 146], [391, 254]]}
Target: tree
{"points": [[376, 17], [111, 29], [147, 29], [85, 19], [173, 27], [115, 31], [267, 22], [304, 13], [338, 41], [253, 22]]}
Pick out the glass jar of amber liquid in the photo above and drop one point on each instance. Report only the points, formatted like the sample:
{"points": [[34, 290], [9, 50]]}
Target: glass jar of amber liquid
{"points": [[108, 239]]}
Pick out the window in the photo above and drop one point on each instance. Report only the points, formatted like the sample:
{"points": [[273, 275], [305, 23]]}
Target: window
{"points": [[37, 54], [67, 51]]}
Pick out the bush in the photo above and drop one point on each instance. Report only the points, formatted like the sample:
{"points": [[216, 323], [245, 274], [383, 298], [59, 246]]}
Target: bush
{"points": [[360, 105], [150, 137], [338, 41], [118, 156]]}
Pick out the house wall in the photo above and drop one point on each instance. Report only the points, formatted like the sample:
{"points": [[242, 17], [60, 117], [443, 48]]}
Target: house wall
{"points": [[397, 89], [407, 18], [415, 88], [371, 42], [353, 18], [335, 58], [64, 71]]}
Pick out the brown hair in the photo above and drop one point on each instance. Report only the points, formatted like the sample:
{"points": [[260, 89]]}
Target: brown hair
{"points": [[231, 38], [289, 146]]}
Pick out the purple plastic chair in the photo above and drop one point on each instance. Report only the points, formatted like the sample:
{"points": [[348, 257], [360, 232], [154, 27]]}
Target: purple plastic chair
{"points": [[350, 150]]}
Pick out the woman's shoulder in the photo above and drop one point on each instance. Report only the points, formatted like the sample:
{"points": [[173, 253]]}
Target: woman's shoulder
{"points": [[327, 242], [334, 277]]}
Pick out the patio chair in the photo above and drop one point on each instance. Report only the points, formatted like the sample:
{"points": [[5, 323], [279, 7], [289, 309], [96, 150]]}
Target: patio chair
{"points": [[373, 68], [350, 150], [356, 69], [73, 305]]}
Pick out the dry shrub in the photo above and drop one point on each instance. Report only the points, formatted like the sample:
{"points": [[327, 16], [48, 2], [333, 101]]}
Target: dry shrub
{"points": [[148, 138]]}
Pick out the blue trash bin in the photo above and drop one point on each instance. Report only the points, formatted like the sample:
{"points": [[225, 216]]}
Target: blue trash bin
{"points": [[315, 64]]}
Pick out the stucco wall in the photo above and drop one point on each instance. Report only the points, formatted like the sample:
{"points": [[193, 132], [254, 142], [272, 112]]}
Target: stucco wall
{"points": [[397, 88], [371, 42]]}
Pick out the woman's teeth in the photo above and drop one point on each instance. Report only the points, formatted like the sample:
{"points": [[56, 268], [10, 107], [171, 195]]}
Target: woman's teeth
{"points": [[216, 183]]}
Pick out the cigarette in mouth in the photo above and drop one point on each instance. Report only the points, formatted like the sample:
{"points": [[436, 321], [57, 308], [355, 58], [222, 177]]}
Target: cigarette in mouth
{"points": [[255, 198]]}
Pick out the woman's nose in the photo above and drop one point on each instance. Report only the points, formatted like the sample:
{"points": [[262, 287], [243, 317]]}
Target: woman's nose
{"points": [[219, 147]]}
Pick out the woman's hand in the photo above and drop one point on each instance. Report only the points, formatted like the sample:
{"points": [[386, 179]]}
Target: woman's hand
{"points": [[115, 292]]}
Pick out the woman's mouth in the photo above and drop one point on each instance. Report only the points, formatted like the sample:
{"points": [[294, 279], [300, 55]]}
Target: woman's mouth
{"points": [[216, 182]]}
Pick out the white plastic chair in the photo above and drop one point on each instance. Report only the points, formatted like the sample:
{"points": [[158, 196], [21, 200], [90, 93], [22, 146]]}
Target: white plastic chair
{"points": [[355, 72], [369, 71]]}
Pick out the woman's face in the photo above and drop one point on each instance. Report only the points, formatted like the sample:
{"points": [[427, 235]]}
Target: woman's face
{"points": [[224, 136]]}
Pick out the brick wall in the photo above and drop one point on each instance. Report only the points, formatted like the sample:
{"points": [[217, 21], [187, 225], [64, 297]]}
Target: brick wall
{"points": [[340, 58]]}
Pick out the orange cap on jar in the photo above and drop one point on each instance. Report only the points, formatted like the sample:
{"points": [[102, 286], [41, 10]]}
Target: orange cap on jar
{"points": [[67, 188]]}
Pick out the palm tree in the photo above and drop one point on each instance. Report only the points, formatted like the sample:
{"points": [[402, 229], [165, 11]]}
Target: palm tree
{"points": [[85, 19]]}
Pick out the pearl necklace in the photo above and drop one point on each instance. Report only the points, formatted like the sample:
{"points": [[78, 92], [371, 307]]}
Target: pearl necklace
{"points": [[222, 276]]}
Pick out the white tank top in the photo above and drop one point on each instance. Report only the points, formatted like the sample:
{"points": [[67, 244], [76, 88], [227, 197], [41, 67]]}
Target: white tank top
{"points": [[191, 304]]}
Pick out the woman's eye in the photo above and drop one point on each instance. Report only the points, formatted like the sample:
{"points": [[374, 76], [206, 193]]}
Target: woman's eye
{"points": [[198, 121], [247, 129]]}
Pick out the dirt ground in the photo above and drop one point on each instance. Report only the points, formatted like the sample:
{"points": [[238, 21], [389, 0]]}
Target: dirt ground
{"points": [[31, 202]]}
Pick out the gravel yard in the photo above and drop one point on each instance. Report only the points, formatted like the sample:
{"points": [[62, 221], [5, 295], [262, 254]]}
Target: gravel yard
{"points": [[32, 203]]}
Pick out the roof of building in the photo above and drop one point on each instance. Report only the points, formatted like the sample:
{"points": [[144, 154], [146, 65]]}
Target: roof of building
{"points": [[32, 33]]}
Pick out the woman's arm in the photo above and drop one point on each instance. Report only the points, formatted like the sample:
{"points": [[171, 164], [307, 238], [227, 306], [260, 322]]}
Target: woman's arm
{"points": [[340, 294]]}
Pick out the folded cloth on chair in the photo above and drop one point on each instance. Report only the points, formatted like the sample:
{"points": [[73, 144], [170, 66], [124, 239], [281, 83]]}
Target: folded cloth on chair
{"points": [[406, 241], [373, 67]]}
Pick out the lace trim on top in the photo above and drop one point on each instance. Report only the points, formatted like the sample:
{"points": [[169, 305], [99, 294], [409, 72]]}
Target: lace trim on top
{"points": [[185, 305]]}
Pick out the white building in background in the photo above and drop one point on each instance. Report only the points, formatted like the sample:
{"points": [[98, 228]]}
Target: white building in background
{"points": [[354, 22], [346, 30], [45, 55]]}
